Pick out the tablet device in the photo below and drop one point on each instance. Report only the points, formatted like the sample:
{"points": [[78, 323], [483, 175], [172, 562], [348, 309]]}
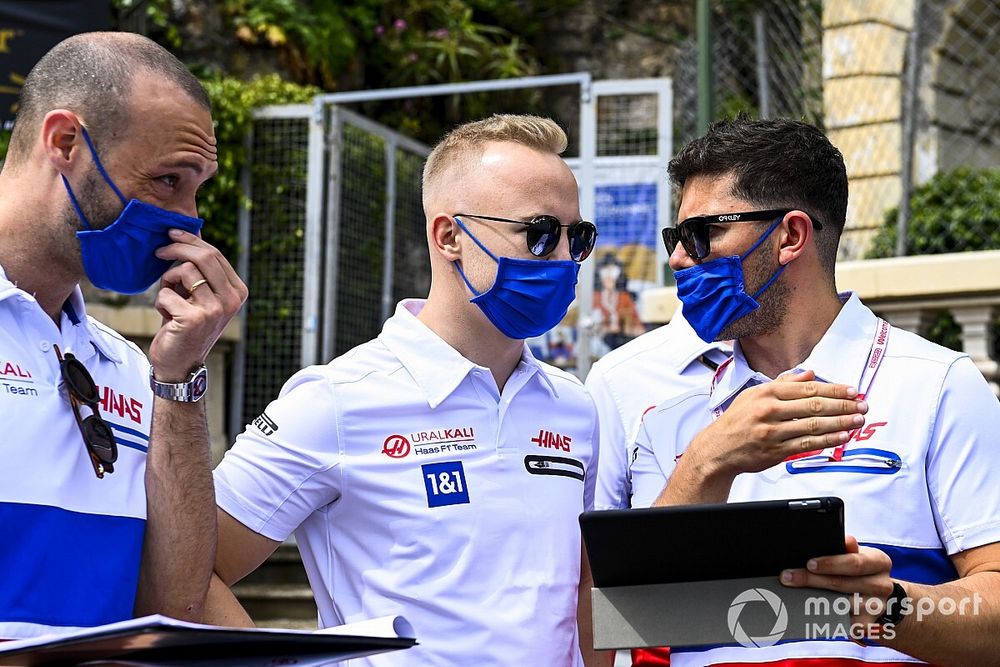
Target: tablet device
{"points": [[682, 543]]}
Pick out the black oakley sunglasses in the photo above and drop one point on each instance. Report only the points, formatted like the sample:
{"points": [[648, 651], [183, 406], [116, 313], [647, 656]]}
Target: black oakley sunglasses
{"points": [[544, 231], [97, 435], [693, 233]]}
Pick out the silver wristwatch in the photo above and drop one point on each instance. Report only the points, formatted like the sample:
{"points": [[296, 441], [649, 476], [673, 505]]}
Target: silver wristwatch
{"points": [[189, 391]]}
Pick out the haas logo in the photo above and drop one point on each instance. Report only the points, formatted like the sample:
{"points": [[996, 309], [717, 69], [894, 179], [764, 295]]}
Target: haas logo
{"points": [[551, 440], [396, 447], [866, 433]]}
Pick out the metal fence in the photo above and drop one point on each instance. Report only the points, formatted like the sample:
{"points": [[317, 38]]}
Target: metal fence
{"points": [[376, 251], [909, 90], [632, 202], [329, 238], [336, 229], [272, 234]]}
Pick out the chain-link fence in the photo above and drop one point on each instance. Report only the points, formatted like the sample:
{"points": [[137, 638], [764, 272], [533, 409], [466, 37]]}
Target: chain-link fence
{"points": [[909, 90], [374, 225], [273, 236], [766, 61], [336, 230], [631, 202], [334, 234]]}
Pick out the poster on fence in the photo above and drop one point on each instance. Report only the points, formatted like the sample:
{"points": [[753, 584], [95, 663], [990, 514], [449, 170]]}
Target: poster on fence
{"points": [[627, 203]]}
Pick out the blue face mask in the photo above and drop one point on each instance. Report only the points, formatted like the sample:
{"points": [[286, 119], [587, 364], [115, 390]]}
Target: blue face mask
{"points": [[121, 257], [713, 293], [529, 296]]}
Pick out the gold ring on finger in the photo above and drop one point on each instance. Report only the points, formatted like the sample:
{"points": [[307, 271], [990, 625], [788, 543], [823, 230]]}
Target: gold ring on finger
{"points": [[196, 285]]}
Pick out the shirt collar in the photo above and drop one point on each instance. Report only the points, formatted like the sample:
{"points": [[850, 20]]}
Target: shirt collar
{"points": [[686, 347], [840, 356], [436, 367], [75, 325]]}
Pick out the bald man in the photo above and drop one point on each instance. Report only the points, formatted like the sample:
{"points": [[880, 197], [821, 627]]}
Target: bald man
{"points": [[438, 471], [106, 500]]}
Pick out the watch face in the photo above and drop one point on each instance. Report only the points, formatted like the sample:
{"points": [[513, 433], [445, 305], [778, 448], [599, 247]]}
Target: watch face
{"points": [[199, 384]]}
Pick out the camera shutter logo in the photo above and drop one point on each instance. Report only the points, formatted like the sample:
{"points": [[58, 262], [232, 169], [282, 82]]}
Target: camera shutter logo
{"points": [[780, 618]]}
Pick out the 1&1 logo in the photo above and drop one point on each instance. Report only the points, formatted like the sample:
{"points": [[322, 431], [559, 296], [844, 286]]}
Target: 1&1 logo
{"points": [[780, 618]]}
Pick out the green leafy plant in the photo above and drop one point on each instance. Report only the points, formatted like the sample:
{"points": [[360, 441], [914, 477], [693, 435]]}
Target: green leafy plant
{"points": [[318, 40], [233, 103], [434, 41], [955, 211], [156, 13]]}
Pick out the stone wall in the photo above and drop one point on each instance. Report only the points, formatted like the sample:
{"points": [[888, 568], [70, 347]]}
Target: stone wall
{"points": [[864, 51]]}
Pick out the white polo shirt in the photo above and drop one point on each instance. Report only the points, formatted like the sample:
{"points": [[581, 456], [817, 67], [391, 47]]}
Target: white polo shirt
{"points": [[414, 487], [628, 382], [920, 480], [71, 543]]}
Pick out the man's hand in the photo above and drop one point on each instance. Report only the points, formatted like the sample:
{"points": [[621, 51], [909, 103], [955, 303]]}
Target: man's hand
{"points": [[762, 427], [862, 570], [197, 299], [770, 422]]}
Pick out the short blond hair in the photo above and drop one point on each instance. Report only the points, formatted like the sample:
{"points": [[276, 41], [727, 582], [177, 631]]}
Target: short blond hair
{"points": [[469, 140]]}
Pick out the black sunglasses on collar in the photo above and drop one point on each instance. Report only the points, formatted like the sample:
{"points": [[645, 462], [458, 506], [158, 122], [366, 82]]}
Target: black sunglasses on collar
{"points": [[693, 233], [96, 433], [544, 231]]}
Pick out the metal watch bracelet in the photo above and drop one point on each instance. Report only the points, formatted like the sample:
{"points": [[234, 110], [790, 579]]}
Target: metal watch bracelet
{"points": [[190, 391]]}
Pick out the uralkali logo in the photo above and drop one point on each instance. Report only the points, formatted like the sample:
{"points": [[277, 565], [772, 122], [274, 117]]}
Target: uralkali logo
{"points": [[757, 596]]}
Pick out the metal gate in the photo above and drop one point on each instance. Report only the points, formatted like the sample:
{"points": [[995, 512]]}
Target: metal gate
{"points": [[335, 234]]}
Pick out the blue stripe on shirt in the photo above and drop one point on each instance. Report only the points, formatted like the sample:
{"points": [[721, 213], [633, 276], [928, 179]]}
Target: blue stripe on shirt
{"points": [[921, 566], [65, 568], [129, 431]]}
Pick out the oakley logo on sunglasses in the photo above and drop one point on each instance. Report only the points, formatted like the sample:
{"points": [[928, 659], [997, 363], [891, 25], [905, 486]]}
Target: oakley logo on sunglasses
{"points": [[693, 233], [543, 234]]}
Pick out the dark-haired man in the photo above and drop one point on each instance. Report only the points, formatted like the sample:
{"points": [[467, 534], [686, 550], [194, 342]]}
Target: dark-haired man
{"points": [[106, 501], [763, 204]]}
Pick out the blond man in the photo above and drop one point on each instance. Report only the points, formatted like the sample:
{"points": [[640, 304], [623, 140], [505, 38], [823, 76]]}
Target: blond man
{"points": [[438, 471]]}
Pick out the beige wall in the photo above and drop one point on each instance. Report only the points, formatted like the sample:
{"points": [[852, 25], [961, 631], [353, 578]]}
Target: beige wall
{"points": [[864, 48]]}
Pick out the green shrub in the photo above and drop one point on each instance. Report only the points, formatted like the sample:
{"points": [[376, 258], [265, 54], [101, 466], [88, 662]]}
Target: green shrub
{"points": [[955, 211], [233, 103]]}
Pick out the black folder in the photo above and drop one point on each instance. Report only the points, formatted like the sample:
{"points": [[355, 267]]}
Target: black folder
{"points": [[158, 640]]}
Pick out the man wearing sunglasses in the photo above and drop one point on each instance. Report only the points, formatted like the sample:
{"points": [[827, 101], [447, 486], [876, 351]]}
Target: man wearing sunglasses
{"points": [[904, 431], [438, 471], [106, 500]]}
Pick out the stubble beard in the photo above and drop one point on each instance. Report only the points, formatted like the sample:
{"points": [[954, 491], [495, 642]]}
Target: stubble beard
{"points": [[100, 214], [773, 302]]}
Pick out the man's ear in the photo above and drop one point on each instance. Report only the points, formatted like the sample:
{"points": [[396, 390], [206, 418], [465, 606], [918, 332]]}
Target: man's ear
{"points": [[796, 233], [62, 139], [442, 232]]}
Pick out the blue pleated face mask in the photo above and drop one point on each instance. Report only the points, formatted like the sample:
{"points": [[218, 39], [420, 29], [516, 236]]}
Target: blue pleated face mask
{"points": [[713, 292], [529, 296], [121, 257]]}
